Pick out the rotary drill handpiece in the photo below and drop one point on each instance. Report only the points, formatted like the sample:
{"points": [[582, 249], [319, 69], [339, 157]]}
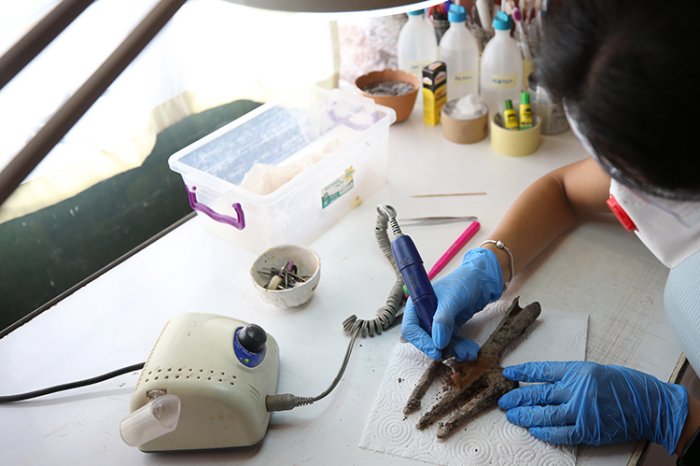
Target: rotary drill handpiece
{"points": [[410, 265]]}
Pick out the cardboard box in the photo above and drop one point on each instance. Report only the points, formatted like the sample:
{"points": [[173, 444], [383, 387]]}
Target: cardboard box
{"points": [[434, 91]]}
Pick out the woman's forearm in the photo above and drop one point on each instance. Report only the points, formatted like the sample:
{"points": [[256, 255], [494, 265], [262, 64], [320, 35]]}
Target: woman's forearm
{"points": [[692, 424], [547, 208]]}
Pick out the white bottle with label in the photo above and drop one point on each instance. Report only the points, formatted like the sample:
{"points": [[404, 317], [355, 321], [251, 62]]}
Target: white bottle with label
{"points": [[501, 66], [417, 44], [459, 50]]}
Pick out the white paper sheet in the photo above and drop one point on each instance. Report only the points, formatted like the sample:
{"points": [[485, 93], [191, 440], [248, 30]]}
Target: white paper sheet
{"points": [[489, 439]]}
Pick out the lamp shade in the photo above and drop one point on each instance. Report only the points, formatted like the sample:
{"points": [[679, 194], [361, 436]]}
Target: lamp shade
{"points": [[339, 6]]}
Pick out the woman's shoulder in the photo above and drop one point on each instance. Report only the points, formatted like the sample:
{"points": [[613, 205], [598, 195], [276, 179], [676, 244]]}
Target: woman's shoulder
{"points": [[683, 285], [682, 303]]}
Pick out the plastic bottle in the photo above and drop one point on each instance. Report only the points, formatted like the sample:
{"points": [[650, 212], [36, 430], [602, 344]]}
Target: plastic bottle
{"points": [[417, 44], [501, 66], [510, 120], [550, 114], [525, 110], [522, 41], [459, 50]]}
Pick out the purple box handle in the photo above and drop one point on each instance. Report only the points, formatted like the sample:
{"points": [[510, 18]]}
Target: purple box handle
{"points": [[234, 222]]}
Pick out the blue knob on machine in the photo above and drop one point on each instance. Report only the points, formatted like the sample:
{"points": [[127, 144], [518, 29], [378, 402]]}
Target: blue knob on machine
{"points": [[249, 344]]}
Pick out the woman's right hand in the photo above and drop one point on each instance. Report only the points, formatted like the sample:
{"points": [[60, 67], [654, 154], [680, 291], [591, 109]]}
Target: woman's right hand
{"points": [[461, 293]]}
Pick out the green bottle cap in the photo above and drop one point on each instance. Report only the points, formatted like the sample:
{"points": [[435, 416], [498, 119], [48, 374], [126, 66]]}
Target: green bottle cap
{"points": [[508, 104], [525, 97]]}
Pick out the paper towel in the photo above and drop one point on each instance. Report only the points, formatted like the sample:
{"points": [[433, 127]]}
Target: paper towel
{"points": [[489, 439]]}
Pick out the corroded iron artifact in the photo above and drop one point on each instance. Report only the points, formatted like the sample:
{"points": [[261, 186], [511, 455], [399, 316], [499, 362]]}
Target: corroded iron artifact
{"points": [[472, 386]]}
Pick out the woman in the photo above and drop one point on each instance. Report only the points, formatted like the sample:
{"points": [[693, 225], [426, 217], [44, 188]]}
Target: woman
{"points": [[620, 69]]}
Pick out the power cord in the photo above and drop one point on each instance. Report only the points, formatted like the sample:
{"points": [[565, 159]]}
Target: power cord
{"points": [[68, 386], [281, 402], [287, 401], [386, 318]]}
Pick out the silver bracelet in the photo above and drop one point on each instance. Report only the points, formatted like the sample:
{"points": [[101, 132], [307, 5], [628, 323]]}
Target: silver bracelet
{"points": [[511, 263]]}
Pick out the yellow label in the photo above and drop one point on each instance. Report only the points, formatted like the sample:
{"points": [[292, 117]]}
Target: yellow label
{"points": [[503, 81], [338, 187], [509, 119], [525, 116], [432, 105], [465, 78]]}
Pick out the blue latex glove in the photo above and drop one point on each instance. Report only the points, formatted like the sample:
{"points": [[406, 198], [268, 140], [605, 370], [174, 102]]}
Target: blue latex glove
{"points": [[589, 403], [461, 293]]}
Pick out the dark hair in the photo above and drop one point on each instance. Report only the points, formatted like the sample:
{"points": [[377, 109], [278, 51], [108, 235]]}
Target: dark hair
{"points": [[628, 72]]}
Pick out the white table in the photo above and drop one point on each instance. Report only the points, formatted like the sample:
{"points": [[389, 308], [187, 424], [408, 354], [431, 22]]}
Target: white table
{"points": [[598, 269]]}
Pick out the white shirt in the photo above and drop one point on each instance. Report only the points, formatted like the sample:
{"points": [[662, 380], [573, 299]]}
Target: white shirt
{"points": [[671, 231]]}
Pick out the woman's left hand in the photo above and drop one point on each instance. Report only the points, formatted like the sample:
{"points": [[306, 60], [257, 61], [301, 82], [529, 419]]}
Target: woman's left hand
{"points": [[589, 403]]}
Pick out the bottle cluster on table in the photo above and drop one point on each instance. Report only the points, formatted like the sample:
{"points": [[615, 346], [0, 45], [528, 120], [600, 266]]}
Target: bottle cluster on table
{"points": [[486, 52]]}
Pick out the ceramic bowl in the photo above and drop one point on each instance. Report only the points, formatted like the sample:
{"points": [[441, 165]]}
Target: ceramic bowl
{"points": [[308, 266], [375, 84]]}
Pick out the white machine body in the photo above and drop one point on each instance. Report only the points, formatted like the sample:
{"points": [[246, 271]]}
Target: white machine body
{"points": [[222, 398]]}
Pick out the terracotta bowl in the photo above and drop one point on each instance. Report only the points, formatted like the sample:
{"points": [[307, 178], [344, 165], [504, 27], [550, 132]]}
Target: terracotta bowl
{"points": [[369, 85]]}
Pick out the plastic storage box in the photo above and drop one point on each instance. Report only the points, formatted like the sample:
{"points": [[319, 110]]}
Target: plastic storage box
{"points": [[333, 149]]}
